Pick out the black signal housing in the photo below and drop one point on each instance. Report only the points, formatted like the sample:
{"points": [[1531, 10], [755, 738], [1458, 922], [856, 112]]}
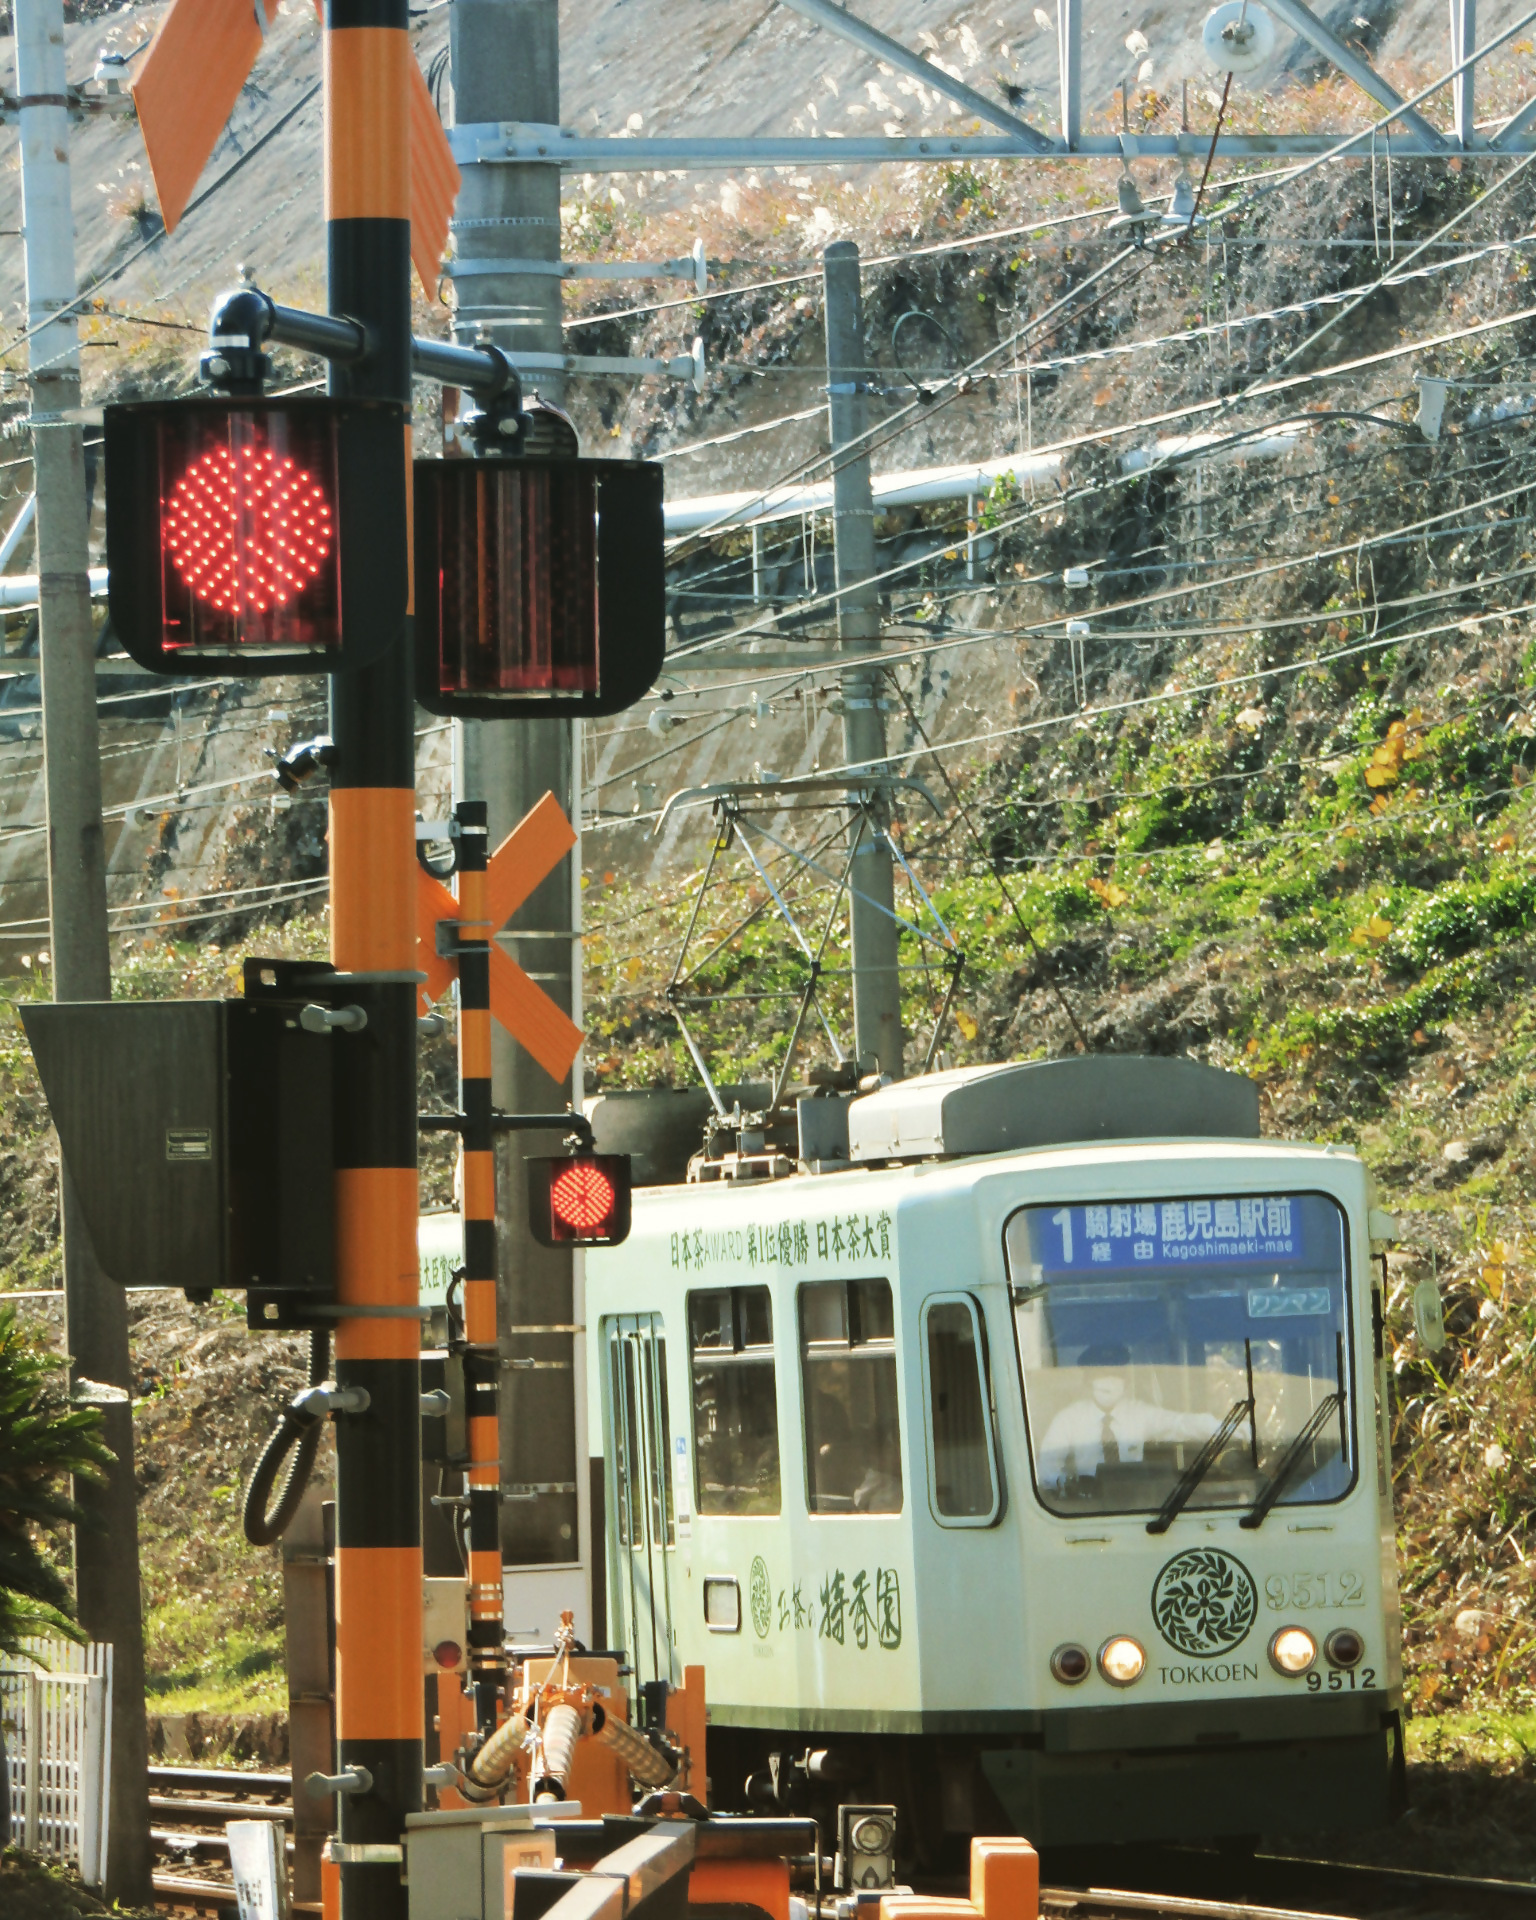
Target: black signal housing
{"points": [[540, 586], [580, 1200], [248, 536]]}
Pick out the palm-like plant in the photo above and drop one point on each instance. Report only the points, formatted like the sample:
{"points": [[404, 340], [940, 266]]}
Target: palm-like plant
{"points": [[41, 1442]]}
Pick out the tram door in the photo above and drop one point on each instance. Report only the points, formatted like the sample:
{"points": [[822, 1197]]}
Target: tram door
{"points": [[640, 1489]]}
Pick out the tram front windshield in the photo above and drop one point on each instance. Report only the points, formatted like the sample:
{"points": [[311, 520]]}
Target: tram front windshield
{"points": [[1193, 1351]]}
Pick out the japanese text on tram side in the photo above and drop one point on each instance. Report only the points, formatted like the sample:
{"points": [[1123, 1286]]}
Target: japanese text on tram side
{"points": [[784, 1243], [852, 1610]]}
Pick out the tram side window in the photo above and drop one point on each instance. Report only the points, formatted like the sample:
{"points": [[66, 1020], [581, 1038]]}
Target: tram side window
{"points": [[735, 1401], [848, 1378], [964, 1487]]}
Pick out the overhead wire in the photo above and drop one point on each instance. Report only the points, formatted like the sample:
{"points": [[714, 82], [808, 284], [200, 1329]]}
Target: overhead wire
{"points": [[1157, 465], [1085, 716], [1252, 480], [198, 200]]}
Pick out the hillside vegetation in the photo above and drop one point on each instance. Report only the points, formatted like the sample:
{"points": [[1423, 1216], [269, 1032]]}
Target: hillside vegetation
{"points": [[1275, 810]]}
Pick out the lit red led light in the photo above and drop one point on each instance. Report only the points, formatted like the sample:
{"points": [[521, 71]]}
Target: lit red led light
{"points": [[247, 529], [581, 1197]]}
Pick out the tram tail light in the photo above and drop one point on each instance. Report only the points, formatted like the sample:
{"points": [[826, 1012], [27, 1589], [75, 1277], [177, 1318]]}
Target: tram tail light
{"points": [[540, 585], [580, 1200], [251, 536], [1070, 1664]]}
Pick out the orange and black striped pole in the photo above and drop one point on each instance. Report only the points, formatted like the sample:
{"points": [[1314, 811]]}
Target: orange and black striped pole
{"points": [[379, 1707], [481, 1358]]}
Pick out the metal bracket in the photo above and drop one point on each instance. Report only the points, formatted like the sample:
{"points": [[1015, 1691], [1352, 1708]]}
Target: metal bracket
{"points": [[689, 366], [320, 1401], [691, 266], [364, 1853], [320, 1786], [317, 1019], [339, 1310], [735, 791]]}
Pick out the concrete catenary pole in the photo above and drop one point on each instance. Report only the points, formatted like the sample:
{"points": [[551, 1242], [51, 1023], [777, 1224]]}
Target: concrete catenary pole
{"points": [[506, 66], [95, 1309], [876, 979]]}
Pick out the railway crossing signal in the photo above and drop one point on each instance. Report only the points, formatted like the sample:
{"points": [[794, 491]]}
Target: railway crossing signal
{"points": [[579, 1200], [530, 852], [239, 529], [541, 586], [254, 535]]}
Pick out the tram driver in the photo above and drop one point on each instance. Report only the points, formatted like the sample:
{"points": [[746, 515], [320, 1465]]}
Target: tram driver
{"points": [[1109, 1425]]}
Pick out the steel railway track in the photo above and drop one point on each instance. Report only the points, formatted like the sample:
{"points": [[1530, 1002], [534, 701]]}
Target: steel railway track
{"points": [[1191, 1884], [189, 1808]]}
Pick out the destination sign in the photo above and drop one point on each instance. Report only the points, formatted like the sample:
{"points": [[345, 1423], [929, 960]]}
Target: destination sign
{"points": [[1248, 1230]]}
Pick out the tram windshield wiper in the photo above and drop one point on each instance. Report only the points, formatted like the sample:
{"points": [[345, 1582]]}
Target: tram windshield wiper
{"points": [[1331, 1403], [1200, 1466], [1258, 1513]]}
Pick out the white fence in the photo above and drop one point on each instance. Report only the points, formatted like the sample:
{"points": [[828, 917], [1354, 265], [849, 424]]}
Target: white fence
{"points": [[56, 1712]]}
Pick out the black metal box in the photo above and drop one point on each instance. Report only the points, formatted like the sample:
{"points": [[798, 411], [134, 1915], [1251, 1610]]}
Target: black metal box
{"points": [[198, 1137]]}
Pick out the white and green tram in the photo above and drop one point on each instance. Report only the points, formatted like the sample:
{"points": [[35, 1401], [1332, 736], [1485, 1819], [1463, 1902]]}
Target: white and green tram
{"points": [[1029, 1471]]}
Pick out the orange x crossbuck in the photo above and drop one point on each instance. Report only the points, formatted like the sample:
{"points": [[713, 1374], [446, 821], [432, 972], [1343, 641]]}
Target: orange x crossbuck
{"points": [[532, 850]]}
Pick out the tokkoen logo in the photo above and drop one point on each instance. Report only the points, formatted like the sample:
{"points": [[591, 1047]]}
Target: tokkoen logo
{"points": [[1204, 1601], [760, 1595]]}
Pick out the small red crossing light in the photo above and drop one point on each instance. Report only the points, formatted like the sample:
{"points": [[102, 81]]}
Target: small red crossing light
{"points": [[579, 1200], [228, 523]]}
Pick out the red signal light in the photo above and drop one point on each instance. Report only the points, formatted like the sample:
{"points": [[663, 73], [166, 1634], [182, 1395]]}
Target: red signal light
{"points": [[582, 1197], [580, 1200], [247, 533], [247, 529], [241, 530]]}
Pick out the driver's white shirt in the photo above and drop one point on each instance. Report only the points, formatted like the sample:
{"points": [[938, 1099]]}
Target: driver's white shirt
{"points": [[1074, 1441]]}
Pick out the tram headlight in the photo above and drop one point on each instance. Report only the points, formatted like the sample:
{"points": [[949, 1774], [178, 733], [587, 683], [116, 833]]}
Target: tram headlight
{"points": [[1292, 1650], [1122, 1660], [1070, 1663], [1344, 1648]]}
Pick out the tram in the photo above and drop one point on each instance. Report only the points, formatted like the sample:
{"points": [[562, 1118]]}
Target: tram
{"points": [[1026, 1468]]}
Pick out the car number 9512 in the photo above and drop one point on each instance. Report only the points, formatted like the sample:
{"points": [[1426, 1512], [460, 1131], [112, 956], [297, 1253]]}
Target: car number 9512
{"points": [[1301, 1591], [1346, 1681]]}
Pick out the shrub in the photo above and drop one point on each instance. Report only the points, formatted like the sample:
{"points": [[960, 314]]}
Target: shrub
{"points": [[41, 1441]]}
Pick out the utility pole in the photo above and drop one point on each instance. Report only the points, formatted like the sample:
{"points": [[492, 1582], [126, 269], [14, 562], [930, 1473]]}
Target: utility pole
{"points": [[876, 976], [95, 1310], [506, 67], [379, 1704]]}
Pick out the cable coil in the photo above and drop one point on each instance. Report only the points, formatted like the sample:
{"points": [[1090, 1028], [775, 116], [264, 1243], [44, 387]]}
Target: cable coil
{"points": [[298, 1434]]}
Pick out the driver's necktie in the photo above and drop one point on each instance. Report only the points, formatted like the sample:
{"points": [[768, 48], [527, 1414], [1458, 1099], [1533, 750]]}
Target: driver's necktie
{"points": [[1110, 1444]]}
